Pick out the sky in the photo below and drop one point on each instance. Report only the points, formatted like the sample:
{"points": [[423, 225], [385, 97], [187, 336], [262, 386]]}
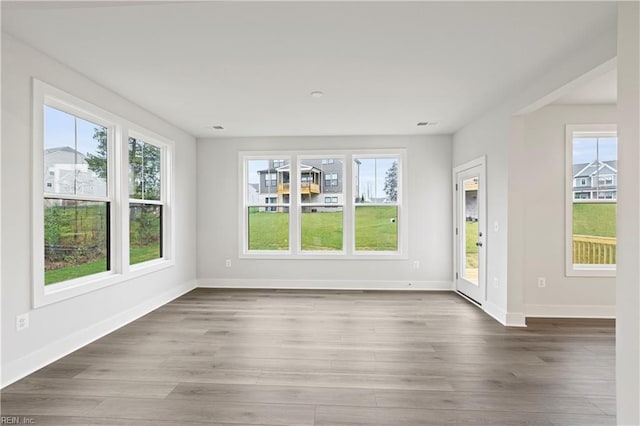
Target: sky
{"points": [[372, 174], [59, 131], [586, 150]]}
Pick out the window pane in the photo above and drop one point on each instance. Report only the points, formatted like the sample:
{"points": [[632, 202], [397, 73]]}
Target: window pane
{"points": [[595, 170], [375, 180], [470, 188], [267, 180], [75, 155], [144, 170], [75, 238], [145, 232], [321, 228], [320, 177], [268, 228], [376, 228]]}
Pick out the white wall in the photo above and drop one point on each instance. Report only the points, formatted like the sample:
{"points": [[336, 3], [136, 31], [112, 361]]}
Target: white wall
{"points": [[628, 274], [487, 137], [493, 134], [542, 178], [429, 202], [63, 327]]}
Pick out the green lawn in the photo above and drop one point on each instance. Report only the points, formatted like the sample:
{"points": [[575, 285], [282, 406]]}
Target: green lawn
{"points": [[375, 230], [137, 255], [75, 271], [322, 231], [471, 236], [268, 230], [142, 254], [594, 219]]}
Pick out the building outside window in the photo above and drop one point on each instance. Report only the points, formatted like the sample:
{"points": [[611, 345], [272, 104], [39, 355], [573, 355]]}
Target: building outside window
{"points": [[592, 194]]}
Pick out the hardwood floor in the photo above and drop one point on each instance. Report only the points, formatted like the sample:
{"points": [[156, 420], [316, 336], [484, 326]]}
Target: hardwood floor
{"points": [[328, 358]]}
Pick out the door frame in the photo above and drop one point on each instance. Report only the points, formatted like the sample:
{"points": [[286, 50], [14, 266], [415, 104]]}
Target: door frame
{"points": [[482, 211]]}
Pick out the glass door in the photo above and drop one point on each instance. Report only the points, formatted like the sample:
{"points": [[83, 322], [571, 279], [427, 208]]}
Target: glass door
{"points": [[470, 232]]}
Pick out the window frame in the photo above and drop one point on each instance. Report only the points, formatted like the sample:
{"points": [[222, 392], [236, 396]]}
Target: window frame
{"points": [[590, 130], [401, 216], [348, 252], [300, 158], [166, 188], [117, 193], [244, 203]]}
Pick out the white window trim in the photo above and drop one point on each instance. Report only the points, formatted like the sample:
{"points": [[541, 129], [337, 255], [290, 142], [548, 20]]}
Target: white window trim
{"points": [[244, 204], [348, 252], [571, 269], [166, 190], [320, 254], [45, 94], [401, 204]]}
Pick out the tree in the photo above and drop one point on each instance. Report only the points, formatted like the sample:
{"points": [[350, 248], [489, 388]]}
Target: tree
{"points": [[144, 170], [144, 165], [391, 182], [98, 163]]}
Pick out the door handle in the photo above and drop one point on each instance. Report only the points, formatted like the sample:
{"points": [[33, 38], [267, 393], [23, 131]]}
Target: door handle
{"points": [[479, 244]]}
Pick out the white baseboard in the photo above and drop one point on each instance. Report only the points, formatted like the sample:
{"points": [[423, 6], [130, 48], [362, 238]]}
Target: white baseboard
{"points": [[516, 319], [495, 311], [32, 362], [326, 284], [570, 311], [509, 319]]}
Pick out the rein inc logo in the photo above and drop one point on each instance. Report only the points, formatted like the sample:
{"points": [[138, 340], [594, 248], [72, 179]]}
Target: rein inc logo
{"points": [[16, 420]]}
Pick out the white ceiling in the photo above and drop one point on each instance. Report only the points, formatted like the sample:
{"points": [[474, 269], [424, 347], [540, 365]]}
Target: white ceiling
{"points": [[250, 66], [601, 90]]}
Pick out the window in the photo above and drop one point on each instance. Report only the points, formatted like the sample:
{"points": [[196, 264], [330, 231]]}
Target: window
{"points": [[79, 225], [341, 203], [266, 206], [77, 203], [376, 203], [269, 179], [278, 163], [591, 209], [321, 224], [145, 201], [331, 179]]}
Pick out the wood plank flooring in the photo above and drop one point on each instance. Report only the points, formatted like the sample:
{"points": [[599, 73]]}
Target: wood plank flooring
{"points": [[267, 357]]}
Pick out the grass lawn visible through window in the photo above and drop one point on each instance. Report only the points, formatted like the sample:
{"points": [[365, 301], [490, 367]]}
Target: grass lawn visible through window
{"points": [[75, 271], [322, 231], [471, 236], [596, 219], [594, 233], [376, 228], [268, 230]]}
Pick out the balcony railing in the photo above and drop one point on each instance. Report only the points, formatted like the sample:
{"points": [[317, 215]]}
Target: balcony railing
{"points": [[591, 250], [305, 188]]}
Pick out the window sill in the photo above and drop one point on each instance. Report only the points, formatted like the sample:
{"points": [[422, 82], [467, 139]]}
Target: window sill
{"points": [[594, 271], [59, 292], [323, 256]]}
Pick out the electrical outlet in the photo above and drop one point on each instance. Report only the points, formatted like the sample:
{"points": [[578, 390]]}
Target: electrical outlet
{"points": [[495, 282], [22, 322], [416, 264], [542, 282], [227, 263]]}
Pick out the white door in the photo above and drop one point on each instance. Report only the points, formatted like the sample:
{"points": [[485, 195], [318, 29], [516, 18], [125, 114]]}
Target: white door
{"points": [[470, 230]]}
